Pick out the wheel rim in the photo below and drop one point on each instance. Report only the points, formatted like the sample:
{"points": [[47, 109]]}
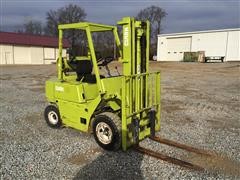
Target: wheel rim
{"points": [[104, 133], [53, 117]]}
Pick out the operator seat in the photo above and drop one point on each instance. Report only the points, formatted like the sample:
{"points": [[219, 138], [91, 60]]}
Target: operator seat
{"points": [[84, 71]]}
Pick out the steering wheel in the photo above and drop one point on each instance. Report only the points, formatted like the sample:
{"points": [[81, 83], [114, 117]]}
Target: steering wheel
{"points": [[105, 61], [100, 59]]}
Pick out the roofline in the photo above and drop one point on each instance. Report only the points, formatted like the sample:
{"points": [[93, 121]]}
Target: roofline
{"points": [[34, 40], [197, 32], [32, 45], [29, 34]]}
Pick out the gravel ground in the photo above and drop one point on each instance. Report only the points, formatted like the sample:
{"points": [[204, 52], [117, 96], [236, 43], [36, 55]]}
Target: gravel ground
{"points": [[200, 107]]}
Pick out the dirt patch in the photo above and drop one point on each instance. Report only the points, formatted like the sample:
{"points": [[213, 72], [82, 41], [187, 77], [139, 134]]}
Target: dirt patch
{"points": [[235, 66], [5, 77], [181, 90], [34, 119], [172, 108], [32, 116], [38, 89], [3, 136], [84, 158], [216, 163], [78, 159], [225, 124]]}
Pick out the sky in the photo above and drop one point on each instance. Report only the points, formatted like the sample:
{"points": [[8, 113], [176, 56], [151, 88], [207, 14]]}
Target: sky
{"points": [[183, 15]]}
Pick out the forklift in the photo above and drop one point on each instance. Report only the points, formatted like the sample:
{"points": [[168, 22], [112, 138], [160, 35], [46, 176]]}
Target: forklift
{"points": [[119, 110]]}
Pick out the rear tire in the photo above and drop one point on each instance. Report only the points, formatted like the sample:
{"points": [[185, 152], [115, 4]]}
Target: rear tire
{"points": [[107, 131], [52, 116]]}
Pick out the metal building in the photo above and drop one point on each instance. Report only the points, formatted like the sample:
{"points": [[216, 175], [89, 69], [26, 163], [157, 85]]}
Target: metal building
{"points": [[17, 48], [215, 43]]}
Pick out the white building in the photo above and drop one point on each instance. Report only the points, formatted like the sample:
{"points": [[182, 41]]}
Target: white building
{"points": [[17, 48], [225, 43]]}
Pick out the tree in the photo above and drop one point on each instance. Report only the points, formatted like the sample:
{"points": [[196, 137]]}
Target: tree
{"points": [[31, 27], [104, 43], [68, 14], [155, 15]]}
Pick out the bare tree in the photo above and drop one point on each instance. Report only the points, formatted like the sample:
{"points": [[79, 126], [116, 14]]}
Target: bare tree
{"points": [[31, 27], [155, 15], [68, 14], [104, 43]]}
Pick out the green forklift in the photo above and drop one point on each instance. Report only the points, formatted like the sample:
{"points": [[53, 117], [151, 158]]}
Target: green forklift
{"points": [[119, 110]]}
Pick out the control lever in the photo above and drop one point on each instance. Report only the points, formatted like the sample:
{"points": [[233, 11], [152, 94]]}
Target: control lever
{"points": [[117, 70], [106, 69]]}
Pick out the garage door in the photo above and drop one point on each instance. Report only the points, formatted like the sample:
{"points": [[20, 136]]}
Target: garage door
{"points": [[22, 55], [6, 54], [177, 46], [37, 55]]}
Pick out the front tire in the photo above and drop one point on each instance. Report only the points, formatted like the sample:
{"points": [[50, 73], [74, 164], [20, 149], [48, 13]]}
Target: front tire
{"points": [[52, 116], [106, 131]]}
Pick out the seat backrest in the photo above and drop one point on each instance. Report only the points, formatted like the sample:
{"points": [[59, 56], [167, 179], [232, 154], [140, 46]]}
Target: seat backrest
{"points": [[83, 67]]}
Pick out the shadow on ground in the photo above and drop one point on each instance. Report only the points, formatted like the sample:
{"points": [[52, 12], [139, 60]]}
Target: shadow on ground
{"points": [[113, 165]]}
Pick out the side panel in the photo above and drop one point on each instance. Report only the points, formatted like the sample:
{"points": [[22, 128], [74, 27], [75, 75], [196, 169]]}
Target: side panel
{"points": [[77, 115], [56, 90], [112, 85], [75, 111], [113, 88], [69, 92], [90, 91], [49, 91]]}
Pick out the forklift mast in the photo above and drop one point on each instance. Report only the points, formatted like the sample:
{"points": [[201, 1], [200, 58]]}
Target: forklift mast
{"points": [[135, 46], [140, 89]]}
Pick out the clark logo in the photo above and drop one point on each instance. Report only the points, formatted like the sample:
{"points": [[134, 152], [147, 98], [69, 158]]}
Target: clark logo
{"points": [[59, 88], [125, 36]]}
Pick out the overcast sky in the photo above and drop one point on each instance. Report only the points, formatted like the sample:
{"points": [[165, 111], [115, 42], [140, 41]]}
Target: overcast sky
{"points": [[183, 15]]}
